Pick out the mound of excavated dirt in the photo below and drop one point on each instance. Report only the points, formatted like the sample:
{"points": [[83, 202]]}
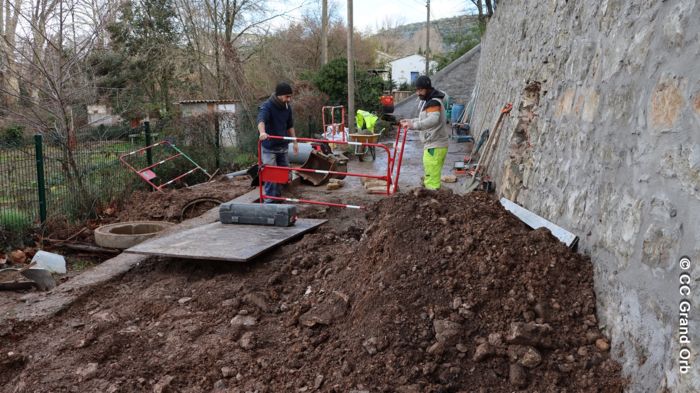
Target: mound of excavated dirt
{"points": [[172, 205], [440, 293], [175, 204], [447, 293]]}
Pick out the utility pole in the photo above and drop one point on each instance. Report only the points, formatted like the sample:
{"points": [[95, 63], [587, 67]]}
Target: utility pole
{"points": [[351, 75], [427, 41], [324, 32]]}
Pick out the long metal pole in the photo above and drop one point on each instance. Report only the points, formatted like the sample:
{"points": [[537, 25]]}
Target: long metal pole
{"points": [[147, 132], [217, 140], [41, 184], [427, 41], [324, 32], [351, 75]]}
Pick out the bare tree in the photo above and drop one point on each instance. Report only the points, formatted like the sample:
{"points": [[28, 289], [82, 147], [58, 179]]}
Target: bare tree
{"points": [[50, 63], [223, 35], [390, 22], [480, 7], [489, 8], [9, 17]]}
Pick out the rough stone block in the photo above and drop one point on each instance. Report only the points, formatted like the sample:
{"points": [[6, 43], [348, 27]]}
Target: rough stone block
{"points": [[659, 244], [666, 104], [590, 106]]}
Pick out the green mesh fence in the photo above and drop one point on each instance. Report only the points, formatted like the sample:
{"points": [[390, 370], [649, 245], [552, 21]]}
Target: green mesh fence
{"points": [[82, 176], [18, 186], [85, 177]]}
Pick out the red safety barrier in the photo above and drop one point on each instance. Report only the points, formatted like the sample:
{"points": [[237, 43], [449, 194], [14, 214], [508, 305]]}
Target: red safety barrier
{"points": [[147, 173], [280, 174], [335, 126]]}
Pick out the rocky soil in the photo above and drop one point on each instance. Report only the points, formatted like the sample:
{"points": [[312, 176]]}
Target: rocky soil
{"points": [[177, 204], [428, 292]]}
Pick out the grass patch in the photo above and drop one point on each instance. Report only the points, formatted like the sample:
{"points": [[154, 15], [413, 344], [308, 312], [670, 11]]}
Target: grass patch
{"points": [[79, 265], [15, 221]]}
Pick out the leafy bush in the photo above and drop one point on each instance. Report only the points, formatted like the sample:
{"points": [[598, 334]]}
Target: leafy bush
{"points": [[12, 135], [332, 80], [307, 104]]}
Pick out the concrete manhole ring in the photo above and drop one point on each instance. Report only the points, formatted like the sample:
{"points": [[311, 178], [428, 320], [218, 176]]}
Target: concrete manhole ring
{"points": [[126, 234]]}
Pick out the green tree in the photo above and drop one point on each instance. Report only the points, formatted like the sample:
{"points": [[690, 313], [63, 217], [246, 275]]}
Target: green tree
{"points": [[462, 42], [143, 57], [332, 79]]}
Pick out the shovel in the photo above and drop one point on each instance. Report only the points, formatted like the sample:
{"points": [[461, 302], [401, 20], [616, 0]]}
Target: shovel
{"points": [[41, 277], [491, 141]]}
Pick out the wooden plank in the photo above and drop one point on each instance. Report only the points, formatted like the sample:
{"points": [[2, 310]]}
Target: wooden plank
{"points": [[534, 221], [223, 242]]}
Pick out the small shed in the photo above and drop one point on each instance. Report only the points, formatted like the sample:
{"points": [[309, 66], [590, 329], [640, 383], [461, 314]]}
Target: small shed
{"points": [[99, 114], [226, 111]]}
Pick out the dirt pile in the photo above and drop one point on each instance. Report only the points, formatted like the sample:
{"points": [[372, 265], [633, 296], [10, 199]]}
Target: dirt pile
{"points": [[177, 204], [447, 293], [173, 204], [439, 293]]}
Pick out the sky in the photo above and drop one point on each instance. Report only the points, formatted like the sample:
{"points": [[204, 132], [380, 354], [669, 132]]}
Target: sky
{"points": [[370, 15]]}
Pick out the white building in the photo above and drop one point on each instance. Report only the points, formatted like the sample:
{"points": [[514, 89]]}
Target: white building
{"points": [[102, 115], [226, 110], [407, 69]]}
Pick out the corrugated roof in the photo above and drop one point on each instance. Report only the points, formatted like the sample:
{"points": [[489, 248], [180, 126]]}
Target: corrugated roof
{"points": [[230, 101]]}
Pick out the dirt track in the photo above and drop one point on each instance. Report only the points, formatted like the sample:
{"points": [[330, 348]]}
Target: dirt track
{"points": [[439, 293]]}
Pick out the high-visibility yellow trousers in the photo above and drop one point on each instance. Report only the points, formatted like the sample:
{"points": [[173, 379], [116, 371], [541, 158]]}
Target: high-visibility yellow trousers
{"points": [[432, 166]]}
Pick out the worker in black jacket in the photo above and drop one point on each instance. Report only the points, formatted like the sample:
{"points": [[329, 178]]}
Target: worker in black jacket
{"points": [[275, 118]]}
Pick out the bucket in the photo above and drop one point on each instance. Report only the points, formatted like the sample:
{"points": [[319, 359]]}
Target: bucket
{"points": [[302, 156], [457, 111], [49, 261]]}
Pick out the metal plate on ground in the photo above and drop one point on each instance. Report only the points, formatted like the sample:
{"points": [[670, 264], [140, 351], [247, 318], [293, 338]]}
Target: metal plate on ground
{"points": [[534, 221], [223, 242]]}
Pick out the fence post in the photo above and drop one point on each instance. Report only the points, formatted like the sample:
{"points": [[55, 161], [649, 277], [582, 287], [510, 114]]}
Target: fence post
{"points": [[217, 139], [309, 128], [41, 186], [147, 131]]}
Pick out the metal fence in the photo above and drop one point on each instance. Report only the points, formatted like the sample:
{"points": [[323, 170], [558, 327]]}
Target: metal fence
{"points": [[46, 177], [18, 179]]}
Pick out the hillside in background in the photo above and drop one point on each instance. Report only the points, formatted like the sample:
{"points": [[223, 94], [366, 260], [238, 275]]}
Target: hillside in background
{"points": [[410, 39]]}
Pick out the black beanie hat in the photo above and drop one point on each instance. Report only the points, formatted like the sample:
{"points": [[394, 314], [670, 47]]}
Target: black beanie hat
{"points": [[423, 82], [283, 89]]}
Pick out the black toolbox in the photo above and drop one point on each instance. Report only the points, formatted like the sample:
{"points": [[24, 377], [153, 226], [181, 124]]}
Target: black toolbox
{"points": [[258, 214]]}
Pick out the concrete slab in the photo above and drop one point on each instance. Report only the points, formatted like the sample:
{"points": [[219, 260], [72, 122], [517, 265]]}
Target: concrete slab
{"points": [[223, 242]]}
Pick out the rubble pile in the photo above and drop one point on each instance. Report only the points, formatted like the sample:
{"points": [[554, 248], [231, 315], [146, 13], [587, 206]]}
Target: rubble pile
{"points": [[433, 292]]}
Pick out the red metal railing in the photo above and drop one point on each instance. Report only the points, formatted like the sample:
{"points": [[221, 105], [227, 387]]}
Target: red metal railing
{"points": [[280, 174]]}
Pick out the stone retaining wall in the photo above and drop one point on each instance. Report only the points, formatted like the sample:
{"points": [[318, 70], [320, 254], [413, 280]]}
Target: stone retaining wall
{"points": [[604, 140]]}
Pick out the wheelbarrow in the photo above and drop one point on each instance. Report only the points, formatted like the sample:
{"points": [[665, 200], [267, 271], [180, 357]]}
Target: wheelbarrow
{"points": [[361, 151]]}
